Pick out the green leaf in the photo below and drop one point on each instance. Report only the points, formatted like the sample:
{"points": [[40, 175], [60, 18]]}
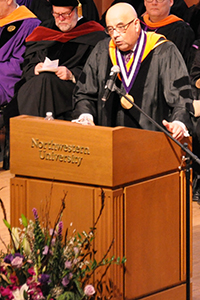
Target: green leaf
{"points": [[124, 260], [112, 258], [79, 289], [25, 295], [70, 296], [7, 224], [118, 260], [24, 221], [67, 296]]}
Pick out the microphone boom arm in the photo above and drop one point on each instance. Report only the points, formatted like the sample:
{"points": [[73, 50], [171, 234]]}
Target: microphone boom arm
{"points": [[190, 153]]}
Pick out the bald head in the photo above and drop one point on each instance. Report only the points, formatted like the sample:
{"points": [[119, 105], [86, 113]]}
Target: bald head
{"points": [[123, 25], [121, 10]]}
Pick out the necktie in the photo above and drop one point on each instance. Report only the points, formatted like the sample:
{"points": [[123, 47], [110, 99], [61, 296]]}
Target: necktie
{"points": [[127, 56]]}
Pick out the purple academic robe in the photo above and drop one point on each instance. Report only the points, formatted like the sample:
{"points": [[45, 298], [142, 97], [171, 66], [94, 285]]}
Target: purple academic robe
{"points": [[12, 48], [27, 3]]}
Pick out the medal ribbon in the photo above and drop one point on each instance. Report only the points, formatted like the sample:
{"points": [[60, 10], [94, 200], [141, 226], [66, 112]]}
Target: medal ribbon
{"points": [[129, 75]]}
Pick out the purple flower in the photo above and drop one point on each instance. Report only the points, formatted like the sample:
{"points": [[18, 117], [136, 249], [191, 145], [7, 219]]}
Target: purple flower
{"points": [[17, 262], [89, 290], [19, 255], [8, 258], [35, 213], [44, 279], [68, 264], [60, 227], [65, 281]]}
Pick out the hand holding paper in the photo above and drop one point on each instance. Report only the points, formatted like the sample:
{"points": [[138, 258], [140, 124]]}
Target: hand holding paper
{"points": [[48, 65]]}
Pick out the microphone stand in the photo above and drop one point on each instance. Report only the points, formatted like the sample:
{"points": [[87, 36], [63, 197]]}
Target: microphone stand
{"points": [[189, 155]]}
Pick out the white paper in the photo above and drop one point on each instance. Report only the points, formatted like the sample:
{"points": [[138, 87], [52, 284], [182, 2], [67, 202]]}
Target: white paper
{"points": [[49, 65]]}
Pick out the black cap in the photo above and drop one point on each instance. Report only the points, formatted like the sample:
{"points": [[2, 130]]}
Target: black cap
{"points": [[64, 2]]}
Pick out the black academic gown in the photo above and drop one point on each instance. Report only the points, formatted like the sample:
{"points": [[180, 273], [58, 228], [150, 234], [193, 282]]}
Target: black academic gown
{"points": [[37, 94], [179, 32], [193, 18]]}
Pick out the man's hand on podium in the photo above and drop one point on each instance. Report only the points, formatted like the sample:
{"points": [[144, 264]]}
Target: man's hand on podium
{"points": [[177, 128], [85, 119]]}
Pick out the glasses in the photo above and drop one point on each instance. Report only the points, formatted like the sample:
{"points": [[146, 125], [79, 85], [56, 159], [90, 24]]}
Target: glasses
{"points": [[119, 28], [159, 1], [63, 15]]}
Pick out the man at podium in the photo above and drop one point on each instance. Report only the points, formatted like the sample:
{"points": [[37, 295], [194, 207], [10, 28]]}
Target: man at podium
{"points": [[148, 69]]}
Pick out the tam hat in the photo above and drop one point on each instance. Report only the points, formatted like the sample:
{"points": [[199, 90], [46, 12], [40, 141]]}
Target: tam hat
{"points": [[73, 3]]}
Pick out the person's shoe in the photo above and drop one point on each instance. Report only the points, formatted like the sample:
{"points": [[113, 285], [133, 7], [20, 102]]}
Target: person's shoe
{"points": [[6, 152]]}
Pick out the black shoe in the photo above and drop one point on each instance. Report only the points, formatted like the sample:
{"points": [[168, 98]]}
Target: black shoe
{"points": [[6, 152]]}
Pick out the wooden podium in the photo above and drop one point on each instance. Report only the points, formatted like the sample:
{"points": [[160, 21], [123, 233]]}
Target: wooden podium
{"points": [[145, 203]]}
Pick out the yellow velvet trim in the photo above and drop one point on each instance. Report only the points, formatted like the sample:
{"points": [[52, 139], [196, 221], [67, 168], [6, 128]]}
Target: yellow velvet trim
{"points": [[169, 20], [18, 14], [152, 39]]}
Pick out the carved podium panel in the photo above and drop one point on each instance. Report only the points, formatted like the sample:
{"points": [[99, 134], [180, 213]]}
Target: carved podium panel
{"points": [[145, 204]]}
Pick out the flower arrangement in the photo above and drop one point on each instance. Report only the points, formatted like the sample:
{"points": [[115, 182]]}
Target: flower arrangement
{"points": [[44, 263]]}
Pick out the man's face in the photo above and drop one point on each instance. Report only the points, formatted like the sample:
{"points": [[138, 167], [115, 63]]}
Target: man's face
{"points": [[4, 9], [126, 31], [158, 11], [65, 17]]}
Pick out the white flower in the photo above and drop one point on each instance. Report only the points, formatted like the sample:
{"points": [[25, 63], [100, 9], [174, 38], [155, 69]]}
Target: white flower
{"points": [[26, 246], [15, 235], [19, 293]]}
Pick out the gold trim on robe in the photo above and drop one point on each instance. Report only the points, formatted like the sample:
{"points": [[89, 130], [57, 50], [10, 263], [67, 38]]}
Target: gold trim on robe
{"points": [[20, 13], [152, 42]]}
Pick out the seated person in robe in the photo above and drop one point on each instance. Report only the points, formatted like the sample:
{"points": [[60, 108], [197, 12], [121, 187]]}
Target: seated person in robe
{"points": [[158, 18], [16, 23], [179, 8], [65, 38]]}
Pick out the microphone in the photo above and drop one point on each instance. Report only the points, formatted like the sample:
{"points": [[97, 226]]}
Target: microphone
{"points": [[109, 87]]}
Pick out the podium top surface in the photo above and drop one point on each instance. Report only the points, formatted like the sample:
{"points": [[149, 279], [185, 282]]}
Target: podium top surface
{"points": [[94, 155]]}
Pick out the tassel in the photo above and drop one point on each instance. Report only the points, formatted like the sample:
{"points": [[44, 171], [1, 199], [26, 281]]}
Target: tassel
{"points": [[79, 9]]}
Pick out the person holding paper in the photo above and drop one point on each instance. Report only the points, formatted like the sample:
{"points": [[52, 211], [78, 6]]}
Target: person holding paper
{"points": [[65, 40]]}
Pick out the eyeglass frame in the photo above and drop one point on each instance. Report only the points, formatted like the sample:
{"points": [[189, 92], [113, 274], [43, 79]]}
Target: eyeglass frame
{"points": [[158, 1], [122, 27], [64, 15]]}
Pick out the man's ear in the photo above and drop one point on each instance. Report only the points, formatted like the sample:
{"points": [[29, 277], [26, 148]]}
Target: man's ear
{"points": [[137, 25], [9, 2]]}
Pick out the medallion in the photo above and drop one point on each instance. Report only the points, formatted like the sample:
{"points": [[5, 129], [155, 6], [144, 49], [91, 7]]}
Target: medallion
{"points": [[198, 83], [11, 28], [125, 103]]}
